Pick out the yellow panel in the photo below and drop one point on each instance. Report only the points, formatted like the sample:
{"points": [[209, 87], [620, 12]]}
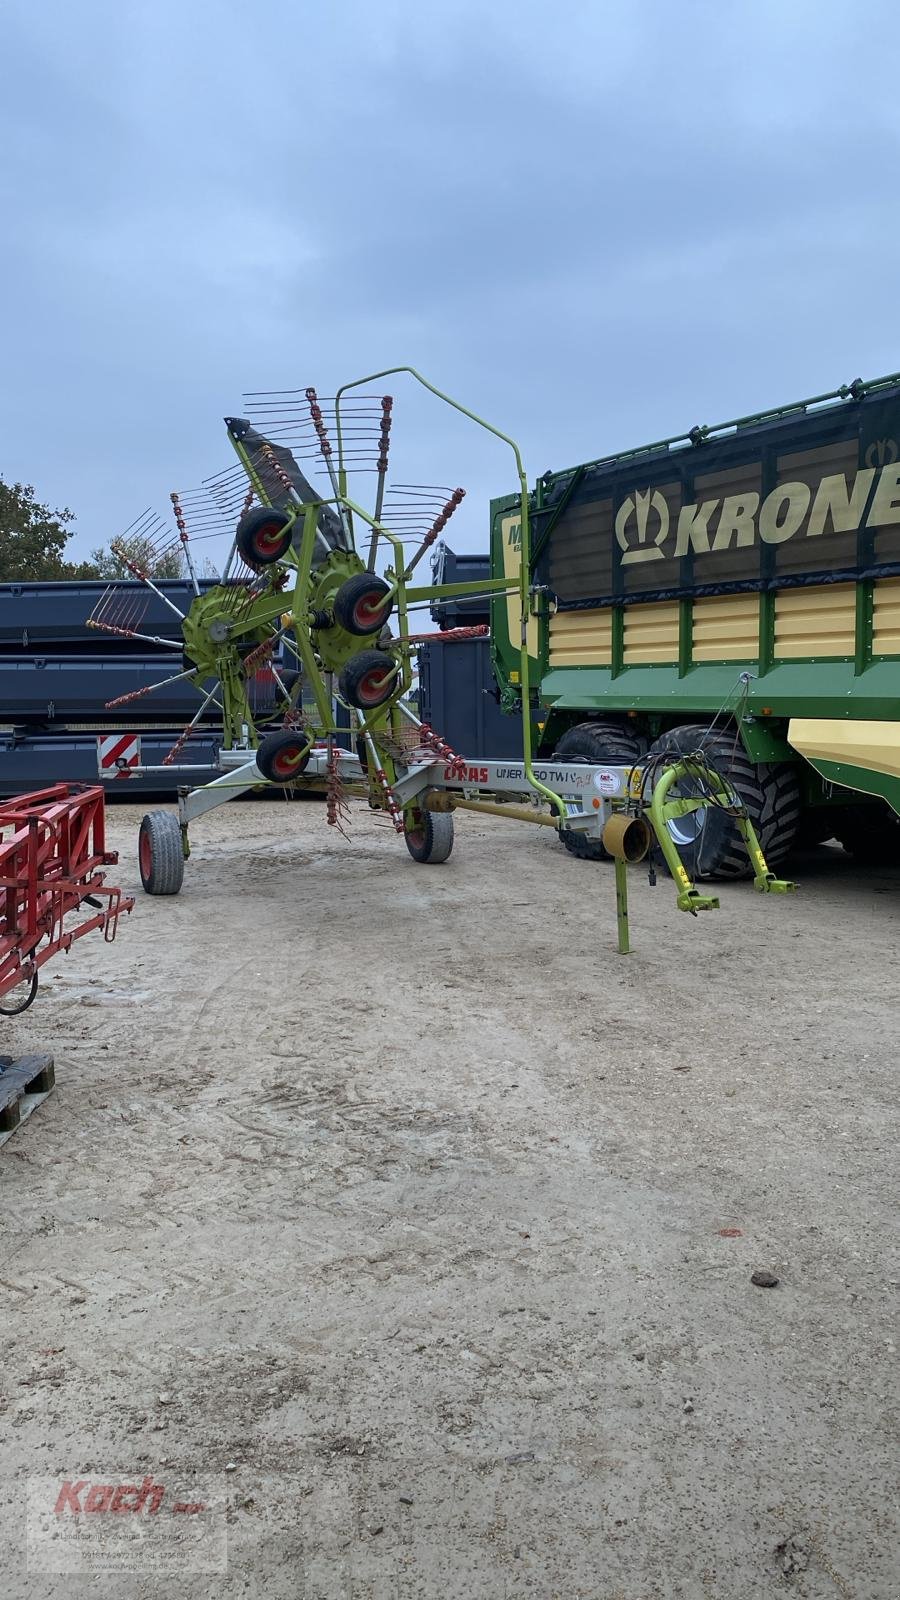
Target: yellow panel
{"points": [[511, 545], [815, 622], [726, 628], [581, 638], [886, 618], [874, 746], [651, 632]]}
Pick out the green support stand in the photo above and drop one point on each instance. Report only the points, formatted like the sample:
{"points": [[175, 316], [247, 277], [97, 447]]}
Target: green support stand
{"points": [[622, 906]]}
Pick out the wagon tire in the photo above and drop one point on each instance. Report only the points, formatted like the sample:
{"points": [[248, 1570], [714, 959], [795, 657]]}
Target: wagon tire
{"points": [[709, 842], [593, 744]]}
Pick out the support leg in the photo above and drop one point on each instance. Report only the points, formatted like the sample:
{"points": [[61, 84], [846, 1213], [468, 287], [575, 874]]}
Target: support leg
{"points": [[622, 907]]}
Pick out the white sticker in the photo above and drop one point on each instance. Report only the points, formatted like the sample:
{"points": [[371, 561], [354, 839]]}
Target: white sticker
{"points": [[607, 782]]}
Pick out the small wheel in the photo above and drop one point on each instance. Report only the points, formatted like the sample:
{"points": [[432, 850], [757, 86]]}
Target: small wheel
{"points": [[429, 839], [161, 853], [264, 535], [363, 604], [368, 679], [284, 755]]}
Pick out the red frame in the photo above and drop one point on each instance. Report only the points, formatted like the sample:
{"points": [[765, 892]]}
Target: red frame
{"points": [[52, 847]]}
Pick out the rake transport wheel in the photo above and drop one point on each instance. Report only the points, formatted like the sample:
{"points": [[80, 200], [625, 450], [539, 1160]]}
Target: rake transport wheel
{"points": [[284, 755], [363, 604], [160, 853], [264, 535], [369, 679], [429, 836], [708, 841], [591, 744]]}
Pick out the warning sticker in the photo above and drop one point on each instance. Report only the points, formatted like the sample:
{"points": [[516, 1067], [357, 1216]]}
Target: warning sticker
{"points": [[118, 754]]}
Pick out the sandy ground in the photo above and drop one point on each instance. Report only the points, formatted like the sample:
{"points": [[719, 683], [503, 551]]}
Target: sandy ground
{"points": [[389, 1208]]}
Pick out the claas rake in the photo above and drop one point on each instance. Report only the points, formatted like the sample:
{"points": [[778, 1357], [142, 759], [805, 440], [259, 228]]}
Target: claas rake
{"points": [[311, 628]]}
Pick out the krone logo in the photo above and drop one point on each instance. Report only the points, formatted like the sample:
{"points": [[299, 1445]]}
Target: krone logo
{"points": [[881, 453], [639, 506]]}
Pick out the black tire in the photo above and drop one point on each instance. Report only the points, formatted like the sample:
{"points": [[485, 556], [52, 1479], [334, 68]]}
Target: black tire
{"points": [[369, 679], [283, 756], [264, 536], [430, 840], [363, 604], [161, 853], [870, 834], [592, 744], [712, 847]]}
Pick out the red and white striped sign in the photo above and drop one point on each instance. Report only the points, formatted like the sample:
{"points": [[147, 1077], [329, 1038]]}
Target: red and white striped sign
{"points": [[117, 754]]}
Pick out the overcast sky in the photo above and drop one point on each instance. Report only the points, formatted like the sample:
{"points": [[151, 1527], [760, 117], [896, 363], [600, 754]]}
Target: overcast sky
{"points": [[594, 223]]}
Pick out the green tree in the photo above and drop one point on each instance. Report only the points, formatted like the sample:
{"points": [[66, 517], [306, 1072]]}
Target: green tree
{"points": [[33, 538], [107, 562]]}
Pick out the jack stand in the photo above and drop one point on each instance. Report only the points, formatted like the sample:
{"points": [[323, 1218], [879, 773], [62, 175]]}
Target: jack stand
{"points": [[622, 906]]}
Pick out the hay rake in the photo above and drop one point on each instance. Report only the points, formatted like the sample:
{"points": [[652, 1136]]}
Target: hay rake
{"points": [[302, 607]]}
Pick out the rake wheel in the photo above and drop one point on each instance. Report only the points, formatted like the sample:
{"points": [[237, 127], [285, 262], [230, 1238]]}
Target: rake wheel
{"points": [[283, 756], [264, 536], [363, 604], [369, 679]]}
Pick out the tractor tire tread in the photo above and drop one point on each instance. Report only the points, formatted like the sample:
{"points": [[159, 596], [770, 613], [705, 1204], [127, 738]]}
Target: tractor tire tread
{"points": [[619, 745], [770, 791]]}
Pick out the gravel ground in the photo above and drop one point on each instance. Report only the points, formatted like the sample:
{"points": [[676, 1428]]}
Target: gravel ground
{"points": [[388, 1211]]}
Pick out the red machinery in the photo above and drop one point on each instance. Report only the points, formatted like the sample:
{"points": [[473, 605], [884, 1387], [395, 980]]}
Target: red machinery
{"points": [[52, 852]]}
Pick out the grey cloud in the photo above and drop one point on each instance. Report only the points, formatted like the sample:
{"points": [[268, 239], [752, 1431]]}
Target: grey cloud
{"points": [[595, 223]]}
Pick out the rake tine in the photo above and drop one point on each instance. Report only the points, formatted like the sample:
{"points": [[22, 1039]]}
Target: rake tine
{"points": [[137, 694], [183, 536], [186, 732], [437, 527], [384, 439], [315, 412], [247, 503], [145, 578]]}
